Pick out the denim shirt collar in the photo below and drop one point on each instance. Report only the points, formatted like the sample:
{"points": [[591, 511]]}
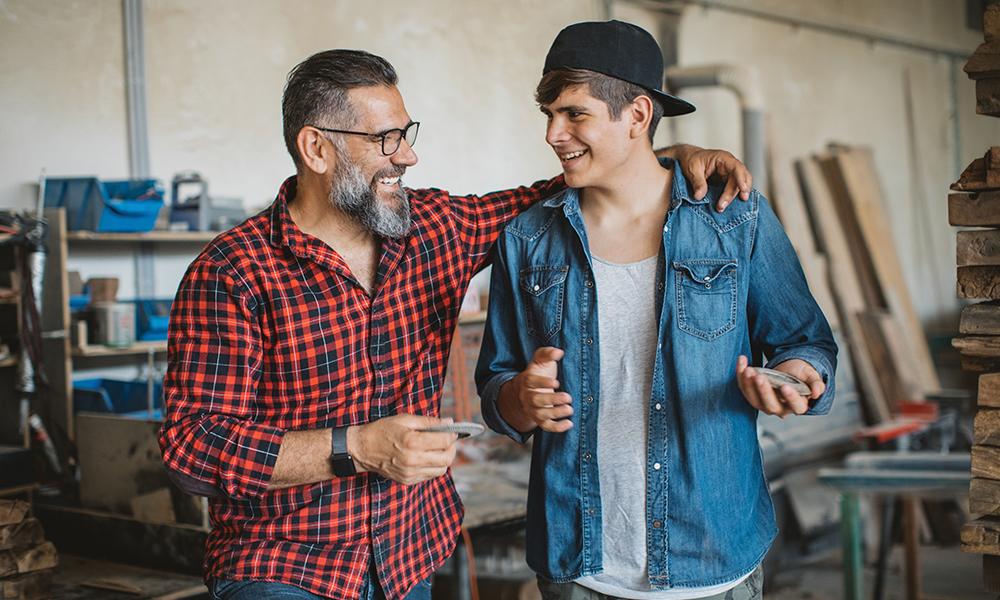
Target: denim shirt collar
{"points": [[680, 191]]}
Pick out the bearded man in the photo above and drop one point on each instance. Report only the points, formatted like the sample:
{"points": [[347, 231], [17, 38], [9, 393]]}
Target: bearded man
{"points": [[308, 346]]}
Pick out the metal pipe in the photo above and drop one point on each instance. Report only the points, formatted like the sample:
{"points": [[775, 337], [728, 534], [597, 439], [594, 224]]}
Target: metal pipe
{"points": [[135, 89], [867, 35], [743, 82]]}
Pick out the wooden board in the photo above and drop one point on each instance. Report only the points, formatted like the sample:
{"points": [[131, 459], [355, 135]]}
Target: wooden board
{"points": [[986, 462], [991, 23], [13, 511], [984, 496], [20, 535], [984, 346], [979, 364], [856, 167], [978, 247], [882, 338], [979, 282], [989, 390], [988, 96], [981, 536], [980, 319], [984, 62], [844, 283], [986, 427], [26, 560], [974, 210], [981, 174], [28, 586]]}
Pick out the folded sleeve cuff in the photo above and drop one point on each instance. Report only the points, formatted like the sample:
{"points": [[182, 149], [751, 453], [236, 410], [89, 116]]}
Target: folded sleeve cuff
{"points": [[491, 410], [823, 365]]}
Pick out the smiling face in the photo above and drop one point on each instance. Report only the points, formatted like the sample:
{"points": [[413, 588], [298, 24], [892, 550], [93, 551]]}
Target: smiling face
{"points": [[591, 146], [366, 184]]}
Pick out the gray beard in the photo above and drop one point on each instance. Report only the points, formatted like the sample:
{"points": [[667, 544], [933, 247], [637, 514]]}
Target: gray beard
{"points": [[357, 198]]}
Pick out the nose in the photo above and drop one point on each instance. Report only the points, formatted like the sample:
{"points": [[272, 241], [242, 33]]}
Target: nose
{"points": [[404, 155], [555, 131]]}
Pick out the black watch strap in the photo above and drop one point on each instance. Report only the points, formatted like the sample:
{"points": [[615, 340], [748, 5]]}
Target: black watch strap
{"points": [[343, 463]]}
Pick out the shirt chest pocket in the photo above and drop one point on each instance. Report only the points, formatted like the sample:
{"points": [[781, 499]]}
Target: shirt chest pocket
{"points": [[543, 289], [706, 292]]}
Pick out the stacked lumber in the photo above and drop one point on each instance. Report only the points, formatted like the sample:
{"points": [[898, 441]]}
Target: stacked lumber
{"points": [[976, 203], [887, 345], [26, 559], [984, 65]]}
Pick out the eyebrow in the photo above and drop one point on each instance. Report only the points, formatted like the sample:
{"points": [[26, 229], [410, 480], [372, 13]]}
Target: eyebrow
{"points": [[564, 109]]}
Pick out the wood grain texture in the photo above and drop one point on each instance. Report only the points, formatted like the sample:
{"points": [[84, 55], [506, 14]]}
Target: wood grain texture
{"points": [[981, 282]]}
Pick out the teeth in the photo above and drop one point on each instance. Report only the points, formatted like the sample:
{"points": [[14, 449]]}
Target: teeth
{"points": [[389, 180], [572, 155]]}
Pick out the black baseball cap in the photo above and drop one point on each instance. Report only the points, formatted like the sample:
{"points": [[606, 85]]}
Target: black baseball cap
{"points": [[616, 49]]}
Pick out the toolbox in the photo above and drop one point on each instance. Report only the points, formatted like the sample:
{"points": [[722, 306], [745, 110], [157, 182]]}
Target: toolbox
{"points": [[129, 205]]}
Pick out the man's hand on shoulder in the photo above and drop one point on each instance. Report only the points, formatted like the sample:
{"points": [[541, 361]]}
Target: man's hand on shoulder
{"points": [[699, 164], [530, 399], [759, 393], [395, 448]]}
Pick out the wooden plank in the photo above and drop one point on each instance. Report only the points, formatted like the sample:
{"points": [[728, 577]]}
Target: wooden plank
{"points": [[981, 536], [988, 96], [984, 62], [844, 282], [986, 427], [980, 209], [979, 364], [981, 174], [985, 346], [980, 319], [26, 560], [29, 586], [989, 390], [857, 168], [984, 496], [980, 282], [986, 462], [991, 23], [978, 247], [20, 535], [13, 511], [56, 322]]}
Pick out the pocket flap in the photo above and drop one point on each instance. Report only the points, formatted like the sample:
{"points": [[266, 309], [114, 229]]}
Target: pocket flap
{"points": [[536, 280], [704, 270]]}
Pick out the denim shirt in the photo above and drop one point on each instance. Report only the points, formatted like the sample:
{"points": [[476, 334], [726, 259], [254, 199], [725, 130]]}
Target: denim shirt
{"points": [[728, 284]]}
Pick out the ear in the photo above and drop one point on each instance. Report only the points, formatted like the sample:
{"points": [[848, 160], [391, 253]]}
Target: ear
{"points": [[641, 115], [313, 152]]}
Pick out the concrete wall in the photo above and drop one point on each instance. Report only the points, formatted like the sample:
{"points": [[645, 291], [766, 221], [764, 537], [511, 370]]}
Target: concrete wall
{"points": [[215, 72]]}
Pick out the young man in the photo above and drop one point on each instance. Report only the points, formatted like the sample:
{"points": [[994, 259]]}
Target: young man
{"points": [[622, 313], [308, 347]]}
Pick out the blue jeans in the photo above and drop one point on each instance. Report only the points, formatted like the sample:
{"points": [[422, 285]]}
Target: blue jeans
{"points": [[227, 589]]}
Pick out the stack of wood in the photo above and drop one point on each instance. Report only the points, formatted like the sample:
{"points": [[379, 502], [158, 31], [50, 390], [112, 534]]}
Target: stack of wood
{"points": [[884, 338], [26, 559], [976, 203]]}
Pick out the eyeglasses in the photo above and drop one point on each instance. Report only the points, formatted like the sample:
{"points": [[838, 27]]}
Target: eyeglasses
{"points": [[390, 139]]}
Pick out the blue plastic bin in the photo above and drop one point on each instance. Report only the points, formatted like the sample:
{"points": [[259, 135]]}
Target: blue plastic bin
{"points": [[130, 205], [114, 396], [152, 318]]}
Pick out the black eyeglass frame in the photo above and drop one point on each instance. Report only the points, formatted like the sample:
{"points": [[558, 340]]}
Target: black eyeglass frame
{"points": [[382, 136]]}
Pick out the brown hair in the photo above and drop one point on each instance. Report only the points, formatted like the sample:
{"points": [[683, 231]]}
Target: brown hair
{"points": [[615, 93]]}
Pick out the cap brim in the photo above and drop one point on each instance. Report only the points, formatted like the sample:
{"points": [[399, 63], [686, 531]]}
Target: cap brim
{"points": [[672, 105]]}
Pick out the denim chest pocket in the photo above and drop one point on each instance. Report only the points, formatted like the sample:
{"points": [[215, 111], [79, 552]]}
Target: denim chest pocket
{"points": [[706, 296], [543, 290]]}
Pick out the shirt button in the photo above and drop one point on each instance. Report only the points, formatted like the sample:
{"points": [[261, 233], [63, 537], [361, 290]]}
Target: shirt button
{"points": [[588, 399], [658, 406], [591, 511], [586, 456], [589, 283], [707, 278], [657, 523], [664, 229], [537, 287], [589, 341], [656, 466]]}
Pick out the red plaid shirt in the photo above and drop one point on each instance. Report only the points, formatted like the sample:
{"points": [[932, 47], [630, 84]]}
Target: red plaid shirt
{"points": [[269, 332]]}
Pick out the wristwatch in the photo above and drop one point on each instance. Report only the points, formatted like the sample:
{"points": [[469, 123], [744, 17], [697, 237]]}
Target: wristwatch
{"points": [[343, 463]]}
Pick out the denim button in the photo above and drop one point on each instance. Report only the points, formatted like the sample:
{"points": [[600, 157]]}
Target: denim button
{"points": [[588, 399], [589, 283], [657, 406], [586, 456], [591, 511], [656, 466], [537, 287], [589, 341], [657, 523]]}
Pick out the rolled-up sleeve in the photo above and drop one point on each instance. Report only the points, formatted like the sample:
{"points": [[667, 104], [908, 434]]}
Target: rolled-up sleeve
{"points": [[209, 438], [785, 320]]}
